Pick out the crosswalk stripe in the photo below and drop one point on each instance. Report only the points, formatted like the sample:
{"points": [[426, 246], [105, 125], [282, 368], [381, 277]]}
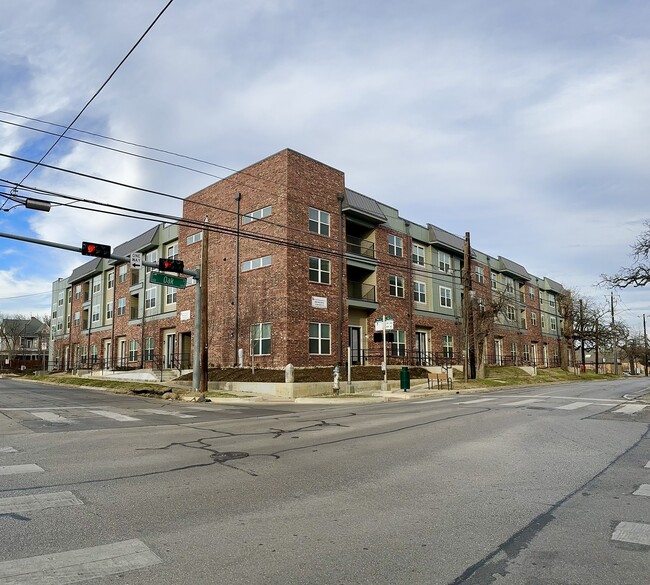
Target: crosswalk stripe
{"points": [[643, 490], [114, 415], [18, 504], [475, 401], [7, 450], [16, 469], [167, 413], [573, 405], [633, 532], [51, 417], [434, 400], [630, 409], [79, 565], [522, 402], [647, 465]]}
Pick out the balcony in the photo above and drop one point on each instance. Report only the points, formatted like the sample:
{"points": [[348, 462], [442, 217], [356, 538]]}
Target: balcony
{"points": [[360, 247], [361, 295]]}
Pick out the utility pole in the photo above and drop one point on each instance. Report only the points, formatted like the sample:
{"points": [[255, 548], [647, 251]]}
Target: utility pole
{"points": [[467, 317], [645, 345], [582, 335], [203, 283], [236, 336], [597, 322], [614, 340]]}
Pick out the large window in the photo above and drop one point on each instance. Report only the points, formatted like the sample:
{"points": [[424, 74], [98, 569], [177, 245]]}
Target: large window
{"points": [[319, 338], [319, 270], [148, 349], [96, 314], [121, 272], [493, 280], [533, 318], [256, 263], [109, 311], [150, 298], [444, 261], [170, 297], [261, 339], [480, 275], [97, 284], [121, 306], [257, 214], [419, 292], [151, 257], [395, 286], [551, 301], [133, 350], [510, 313], [110, 279], [510, 285], [395, 247], [197, 237], [445, 297], [553, 323], [172, 251], [398, 347], [319, 222], [418, 254], [448, 346]]}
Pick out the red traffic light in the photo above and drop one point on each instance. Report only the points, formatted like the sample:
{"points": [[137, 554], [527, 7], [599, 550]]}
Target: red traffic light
{"points": [[98, 250], [170, 265]]}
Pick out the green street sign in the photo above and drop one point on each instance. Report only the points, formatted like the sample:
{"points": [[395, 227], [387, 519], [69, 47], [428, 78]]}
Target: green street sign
{"points": [[167, 280]]}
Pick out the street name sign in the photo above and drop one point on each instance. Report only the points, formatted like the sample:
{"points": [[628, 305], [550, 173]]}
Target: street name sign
{"points": [[167, 280]]}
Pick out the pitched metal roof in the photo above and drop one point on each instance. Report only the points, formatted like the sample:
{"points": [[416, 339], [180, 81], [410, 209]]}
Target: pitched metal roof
{"points": [[362, 205], [510, 267], [25, 327], [138, 243], [553, 286], [81, 272], [444, 239]]}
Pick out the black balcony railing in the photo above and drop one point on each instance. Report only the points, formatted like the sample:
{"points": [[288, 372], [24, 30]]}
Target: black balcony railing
{"points": [[360, 247], [361, 292]]}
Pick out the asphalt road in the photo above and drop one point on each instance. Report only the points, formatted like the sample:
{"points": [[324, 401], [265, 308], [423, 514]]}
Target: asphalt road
{"points": [[531, 486]]}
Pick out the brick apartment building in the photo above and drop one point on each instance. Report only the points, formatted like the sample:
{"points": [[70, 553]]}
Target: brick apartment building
{"points": [[299, 269]]}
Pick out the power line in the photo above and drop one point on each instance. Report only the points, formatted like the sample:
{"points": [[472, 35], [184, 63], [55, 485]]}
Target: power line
{"points": [[103, 85], [47, 292]]}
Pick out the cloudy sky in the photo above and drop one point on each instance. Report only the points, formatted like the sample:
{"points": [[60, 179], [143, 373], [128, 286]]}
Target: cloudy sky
{"points": [[525, 123]]}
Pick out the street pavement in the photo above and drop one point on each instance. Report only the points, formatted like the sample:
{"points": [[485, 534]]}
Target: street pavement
{"points": [[547, 484]]}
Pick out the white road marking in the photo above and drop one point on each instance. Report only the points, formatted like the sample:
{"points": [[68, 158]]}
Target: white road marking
{"points": [[7, 450], [48, 408], [647, 465], [114, 415], [632, 532], [18, 504], [167, 413], [574, 405], [79, 565], [644, 490], [434, 400], [522, 402], [475, 401], [16, 469], [630, 409], [51, 417]]}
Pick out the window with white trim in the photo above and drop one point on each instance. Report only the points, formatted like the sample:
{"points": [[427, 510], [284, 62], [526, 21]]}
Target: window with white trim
{"points": [[513, 351], [448, 346], [97, 284], [395, 246], [531, 293], [77, 319], [526, 353], [96, 314], [150, 298], [261, 339], [257, 214], [533, 318], [84, 353], [493, 280], [444, 261], [396, 286], [121, 272], [133, 350], [172, 251], [93, 354], [170, 297], [419, 292], [418, 254], [121, 306], [197, 237], [510, 285], [110, 279], [109, 311], [445, 297], [61, 296], [319, 222], [543, 319], [77, 291], [249, 265], [398, 347], [510, 313], [553, 323], [551, 301], [151, 257], [148, 349], [319, 338], [319, 270], [480, 275]]}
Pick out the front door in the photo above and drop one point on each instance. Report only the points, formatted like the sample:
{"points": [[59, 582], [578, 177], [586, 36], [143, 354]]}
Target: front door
{"points": [[121, 352], [170, 349], [354, 333], [498, 352], [421, 348], [108, 362]]}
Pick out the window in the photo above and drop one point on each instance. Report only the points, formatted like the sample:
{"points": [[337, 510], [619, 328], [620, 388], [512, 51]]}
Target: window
{"points": [[448, 346], [480, 275], [319, 222], [150, 257], [77, 319], [68, 322], [96, 313], [53, 314], [170, 297], [121, 273], [61, 295], [197, 237], [110, 280], [133, 350], [172, 251], [510, 285], [513, 351], [121, 306], [148, 349], [493, 280], [526, 353], [257, 214], [531, 293], [77, 291], [97, 284], [257, 263], [543, 322], [109, 311], [395, 246], [319, 270], [261, 339], [396, 286], [551, 301], [150, 298], [93, 354], [510, 313], [533, 318], [553, 323], [418, 254], [444, 261], [398, 347], [84, 354], [419, 292], [445, 297], [319, 338]]}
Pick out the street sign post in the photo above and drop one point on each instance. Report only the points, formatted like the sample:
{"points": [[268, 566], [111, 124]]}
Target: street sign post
{"points": [[167, 280]]}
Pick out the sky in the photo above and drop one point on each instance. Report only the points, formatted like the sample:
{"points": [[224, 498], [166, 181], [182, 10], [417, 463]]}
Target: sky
{"points": [[524, 123]]}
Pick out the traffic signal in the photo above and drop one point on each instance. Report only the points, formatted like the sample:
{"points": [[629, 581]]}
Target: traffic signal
{"points": [[170, 265], [92, 249]]}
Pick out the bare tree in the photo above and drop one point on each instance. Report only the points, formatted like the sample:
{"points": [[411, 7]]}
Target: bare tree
{"points": [[485, 313], [12, 329], [638, 274]]}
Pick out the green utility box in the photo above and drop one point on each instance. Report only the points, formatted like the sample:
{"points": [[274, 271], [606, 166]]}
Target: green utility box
{"points": [[404, 379]]}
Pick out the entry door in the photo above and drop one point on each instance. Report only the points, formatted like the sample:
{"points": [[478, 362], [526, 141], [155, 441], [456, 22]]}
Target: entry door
{"points": [[498, 352], [535, 356], [354, 333], [170, 349], [545, 355], [107, 355], [121, 352], [422, 348]]}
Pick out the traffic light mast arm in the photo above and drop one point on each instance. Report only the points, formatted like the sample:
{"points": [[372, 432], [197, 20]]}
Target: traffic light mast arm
{"points": [[193, 273]]}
